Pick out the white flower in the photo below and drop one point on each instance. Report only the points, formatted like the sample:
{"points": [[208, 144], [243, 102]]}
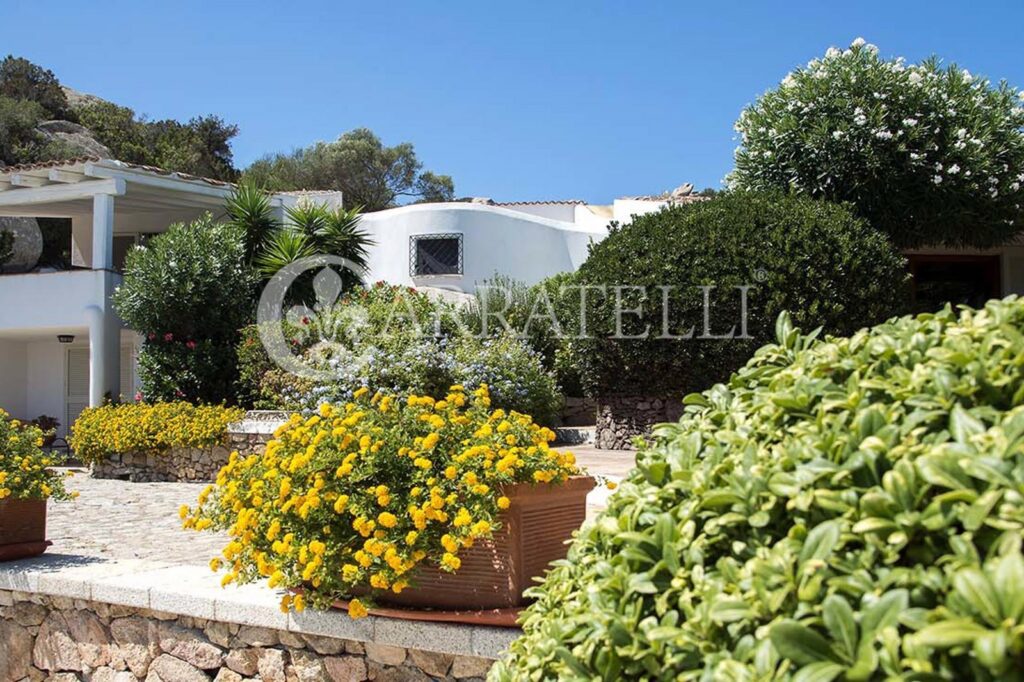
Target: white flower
{"points": [[859, 42], [961, 133], [838, 134], [788, 81], [938, 166], [883, 134], [937, 179], [910, 122], [953, 170], [834, 52], [967, 75], [915, 156], [915, 77]]}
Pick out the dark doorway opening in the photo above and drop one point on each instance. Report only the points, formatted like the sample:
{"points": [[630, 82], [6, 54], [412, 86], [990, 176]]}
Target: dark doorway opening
{"points": [[939, 280]]}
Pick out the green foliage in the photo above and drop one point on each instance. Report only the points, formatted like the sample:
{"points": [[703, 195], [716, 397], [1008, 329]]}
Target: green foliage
{"points": [[927, 155], [841, 509], [809, 257], [20, 142], [358, 164], [188, 290], [248, 209], [394, 339], [20, 79], [528, 312], [200, 147]]}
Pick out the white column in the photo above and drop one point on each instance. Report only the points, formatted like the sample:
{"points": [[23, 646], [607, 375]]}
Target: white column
{"points": [[102, 231], [104, 355]]}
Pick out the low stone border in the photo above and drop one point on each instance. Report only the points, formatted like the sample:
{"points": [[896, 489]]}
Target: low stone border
{"points": [[62, 617], [192, 464]]}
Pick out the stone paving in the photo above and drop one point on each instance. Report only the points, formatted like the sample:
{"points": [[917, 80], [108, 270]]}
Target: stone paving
{"points": [[121, 520]]}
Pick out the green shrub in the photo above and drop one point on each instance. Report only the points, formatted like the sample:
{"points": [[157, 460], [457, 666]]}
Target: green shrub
{"points": [[149, 428], [395, 339], [926, 154], [809, 257], [841, 509], [527, 310], [188, 291]]}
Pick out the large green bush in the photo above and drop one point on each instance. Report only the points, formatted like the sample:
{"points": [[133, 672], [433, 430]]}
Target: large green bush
{"points": [[841, 509], [809, 257], [927, 154], [188, 291]]}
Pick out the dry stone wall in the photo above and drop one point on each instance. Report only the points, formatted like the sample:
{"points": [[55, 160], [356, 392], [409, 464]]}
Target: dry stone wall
{"points": [[192, 464], [57, 638], [622, 418]]}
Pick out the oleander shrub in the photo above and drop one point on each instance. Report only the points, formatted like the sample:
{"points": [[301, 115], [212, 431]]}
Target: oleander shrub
{"points": [[812, 258], [25, 470], [188, 291], [149, 427], [926, 153], [394, 339], [355, 497], [841, 509]]}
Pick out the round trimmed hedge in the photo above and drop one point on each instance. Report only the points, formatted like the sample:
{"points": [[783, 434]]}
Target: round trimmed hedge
{"points": [[810, 257], [841, 509]]}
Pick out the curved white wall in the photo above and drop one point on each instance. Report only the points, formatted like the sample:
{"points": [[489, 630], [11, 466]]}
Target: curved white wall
{"points": [[494, 240]]}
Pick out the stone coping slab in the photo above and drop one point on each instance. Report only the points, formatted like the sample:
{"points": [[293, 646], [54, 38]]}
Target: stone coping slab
{"points": [[195, 591]]}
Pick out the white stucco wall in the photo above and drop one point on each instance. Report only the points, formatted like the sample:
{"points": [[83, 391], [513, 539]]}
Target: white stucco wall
{"points": [[623, 210], [12, 377], [494, 240], [554, 211]]}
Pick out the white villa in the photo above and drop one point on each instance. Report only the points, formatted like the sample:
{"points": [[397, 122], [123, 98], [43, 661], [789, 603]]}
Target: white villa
{"points": [[62, 346]]}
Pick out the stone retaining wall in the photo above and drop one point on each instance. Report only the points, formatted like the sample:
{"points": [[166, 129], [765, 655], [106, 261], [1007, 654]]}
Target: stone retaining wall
{"points": [[45, 637], [578, 411], [622, 418], [192, 464]]}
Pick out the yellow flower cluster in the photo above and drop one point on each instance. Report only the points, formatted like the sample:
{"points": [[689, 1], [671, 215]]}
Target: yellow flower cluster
{"points": [[25, 470], [352, 499], [142, 427]]}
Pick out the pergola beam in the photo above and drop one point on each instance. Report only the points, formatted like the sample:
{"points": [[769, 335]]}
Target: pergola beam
{"points": [[65, 176], [26, 180], [61, 192]]}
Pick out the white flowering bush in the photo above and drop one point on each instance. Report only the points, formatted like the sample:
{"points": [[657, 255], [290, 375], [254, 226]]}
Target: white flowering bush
{"points": [[927, 154]]}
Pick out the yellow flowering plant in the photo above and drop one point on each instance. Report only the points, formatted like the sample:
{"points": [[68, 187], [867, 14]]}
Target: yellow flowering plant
{"points": [[351, 500], [25, 472], [144, 427]]}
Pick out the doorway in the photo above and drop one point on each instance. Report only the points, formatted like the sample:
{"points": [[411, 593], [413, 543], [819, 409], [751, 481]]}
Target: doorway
{"points": [[955, 279]]}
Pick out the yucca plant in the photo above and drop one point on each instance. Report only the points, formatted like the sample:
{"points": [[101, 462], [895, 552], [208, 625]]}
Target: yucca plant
{"points": [[248, 208]]}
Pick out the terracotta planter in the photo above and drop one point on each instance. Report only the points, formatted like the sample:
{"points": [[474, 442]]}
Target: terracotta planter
{"points": [[494, 573], [22, 528]]}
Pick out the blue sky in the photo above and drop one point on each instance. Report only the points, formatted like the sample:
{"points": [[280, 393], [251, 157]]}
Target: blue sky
{"points": [[527, 100]]}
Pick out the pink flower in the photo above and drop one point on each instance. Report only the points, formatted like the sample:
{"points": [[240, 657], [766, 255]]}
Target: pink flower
{"points": [[305, 319], [152, 336], [191, 344], [138, 396], [168, 337], [179, 393]]}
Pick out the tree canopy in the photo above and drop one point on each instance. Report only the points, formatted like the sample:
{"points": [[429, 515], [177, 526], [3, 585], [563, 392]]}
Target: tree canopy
{"points": [[929, 155], [369, 174]]}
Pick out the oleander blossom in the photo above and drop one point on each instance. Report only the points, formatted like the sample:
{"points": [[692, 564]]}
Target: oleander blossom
{"points": [[855, 127]]}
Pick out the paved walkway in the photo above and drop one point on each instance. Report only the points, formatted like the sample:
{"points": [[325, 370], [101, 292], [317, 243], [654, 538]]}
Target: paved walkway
{"points": [[120, 520]]}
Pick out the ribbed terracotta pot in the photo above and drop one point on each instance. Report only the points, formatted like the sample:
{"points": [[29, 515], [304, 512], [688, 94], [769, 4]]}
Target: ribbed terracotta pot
{"points": [[494, 573], [22, 528]]}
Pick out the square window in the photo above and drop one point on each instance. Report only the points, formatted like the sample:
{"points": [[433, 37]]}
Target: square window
{"points": [[436, 254]]}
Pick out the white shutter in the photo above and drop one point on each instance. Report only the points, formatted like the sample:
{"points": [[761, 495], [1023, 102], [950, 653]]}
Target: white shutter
{"points": [[78, 373], [77, 389]]}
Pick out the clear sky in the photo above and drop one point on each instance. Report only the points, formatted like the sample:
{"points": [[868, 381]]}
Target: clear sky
{"points": [[526, 100]]}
